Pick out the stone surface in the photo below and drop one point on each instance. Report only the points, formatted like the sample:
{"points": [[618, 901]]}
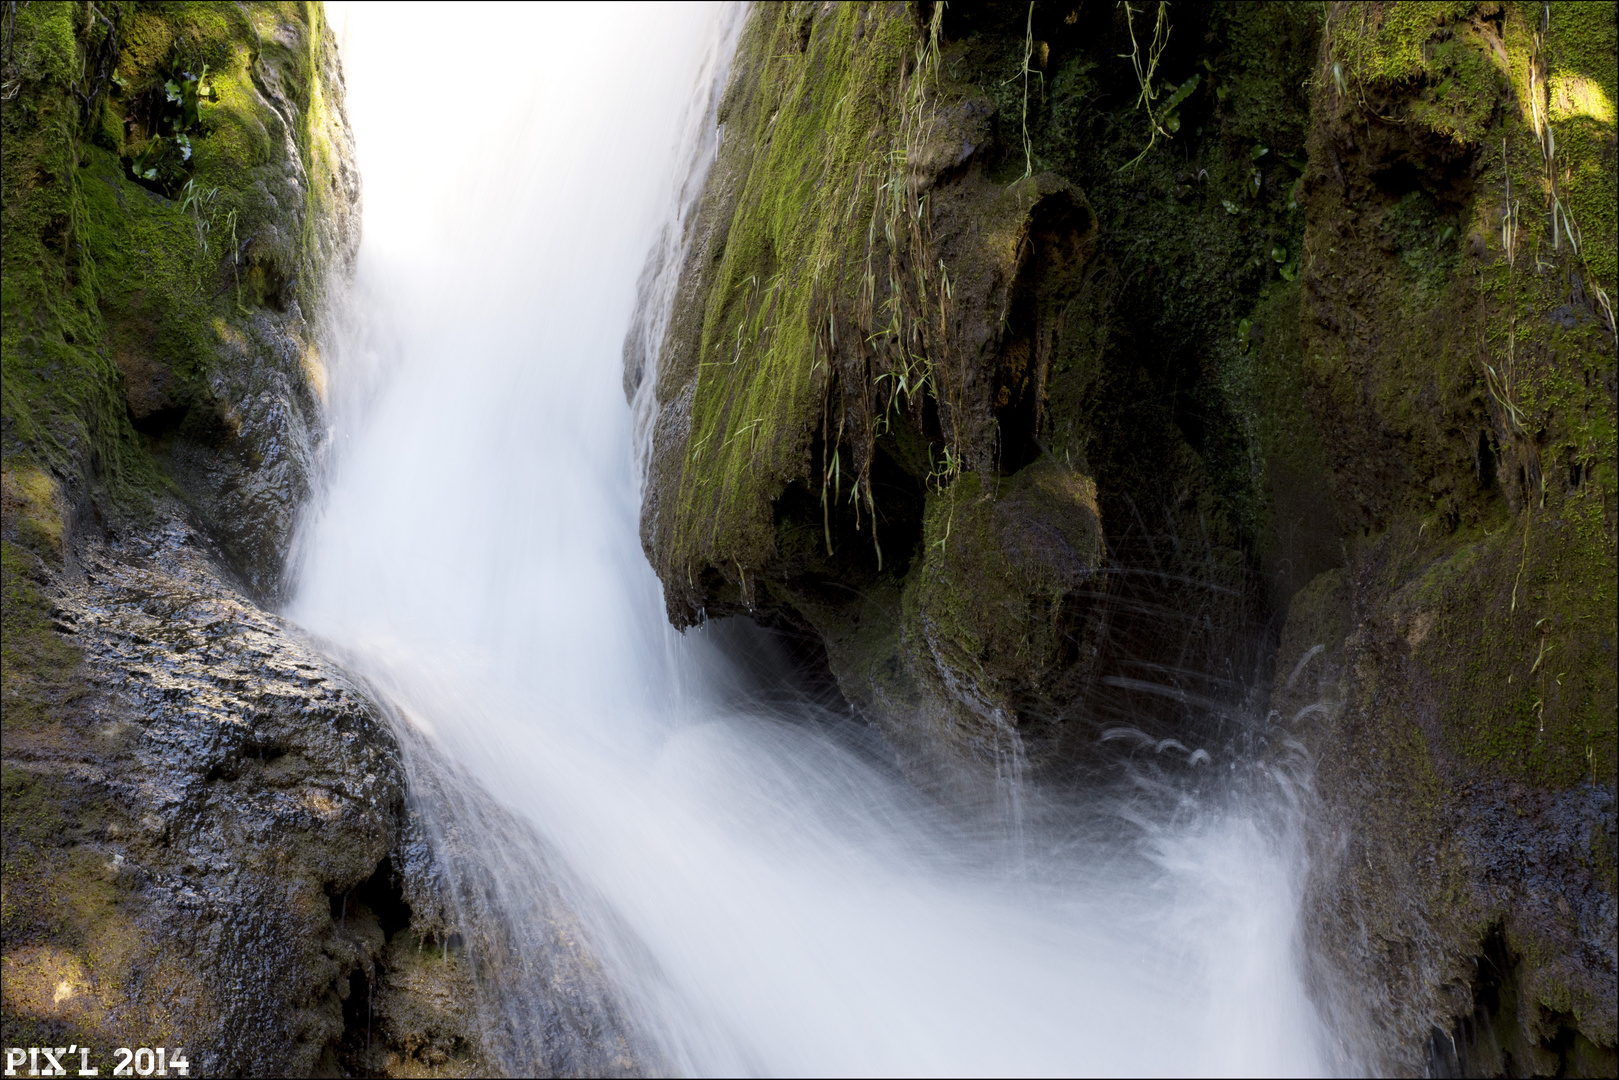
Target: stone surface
{"points": [[228, 787], [202, 814], [835, 461], [1463, 884]]}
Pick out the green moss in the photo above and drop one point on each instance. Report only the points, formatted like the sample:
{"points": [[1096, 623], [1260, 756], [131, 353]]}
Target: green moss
{"points": [[1317, 614], [820, 122], [33, 510], [1445, 62], [1582, 46], [1461, 385], [112, 293], [54, 895], [1513, 636], [121, 311], [961, 582], [1470, 411], [1402, 57], [1146, 386], [67, 913], [1426, 238], [1163, 395], [61, 403], [1000, 602], [62, 895], [39, 671], [1388, 45], [49, 45]]}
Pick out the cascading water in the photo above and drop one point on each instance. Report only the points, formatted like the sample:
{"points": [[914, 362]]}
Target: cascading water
{"points": [[661, 863]]}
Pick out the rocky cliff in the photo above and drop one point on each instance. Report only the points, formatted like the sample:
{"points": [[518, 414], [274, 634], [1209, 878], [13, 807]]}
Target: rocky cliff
{"points": [[206, 838], [1456, 348], [1028, 360]]}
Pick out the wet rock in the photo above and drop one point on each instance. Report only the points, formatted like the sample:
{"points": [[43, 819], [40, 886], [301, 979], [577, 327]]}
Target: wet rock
{"points": [[229, 783], [200, 808], [1462, 893], [212, 817], [497, 971], [972, 669], [831, 489], [426, 1004], [1452, 911], [1309, 374]]}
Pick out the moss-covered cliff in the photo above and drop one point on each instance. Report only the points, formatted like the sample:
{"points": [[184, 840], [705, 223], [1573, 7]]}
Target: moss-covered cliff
{"points": [[199, 809], [178, 188], [1026, 357], [898, 294], [1456, 345]]}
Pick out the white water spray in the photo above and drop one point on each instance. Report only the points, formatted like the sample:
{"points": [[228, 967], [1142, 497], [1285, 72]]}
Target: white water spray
{"points": [[759, 896]]}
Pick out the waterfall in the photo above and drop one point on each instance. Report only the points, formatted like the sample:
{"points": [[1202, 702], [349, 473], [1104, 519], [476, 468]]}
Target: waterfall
{"points": [[661, 859]]}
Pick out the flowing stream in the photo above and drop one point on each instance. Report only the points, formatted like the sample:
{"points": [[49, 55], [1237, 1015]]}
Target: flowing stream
{"points": [[671, 859]]}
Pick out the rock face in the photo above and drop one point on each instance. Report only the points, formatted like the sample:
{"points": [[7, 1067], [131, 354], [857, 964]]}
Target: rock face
{"points": [[206, 839], [210, 799], [913, 401], [180, 193], [1032, 380], [1456, 349], [828, 392]]}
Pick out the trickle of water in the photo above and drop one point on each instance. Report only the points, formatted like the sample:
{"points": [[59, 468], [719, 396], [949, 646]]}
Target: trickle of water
{"points": [[659, 867]]}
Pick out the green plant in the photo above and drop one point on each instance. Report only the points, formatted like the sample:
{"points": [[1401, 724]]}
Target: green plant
{"points": [[164, 162], [1499, 383], [1028, 54], [235, 258], [1165, 121], [899, 336], [195, 202]]}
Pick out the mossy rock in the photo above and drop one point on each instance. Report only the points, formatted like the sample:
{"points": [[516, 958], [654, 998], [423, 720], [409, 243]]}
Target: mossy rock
{"points": [[1457, 356], [1311, 384], [1005, 608], [177, 198], [913, 264]]}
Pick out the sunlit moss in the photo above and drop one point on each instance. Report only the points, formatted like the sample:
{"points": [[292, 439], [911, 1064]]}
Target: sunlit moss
{"points": [[104, 279], [820, 124]]}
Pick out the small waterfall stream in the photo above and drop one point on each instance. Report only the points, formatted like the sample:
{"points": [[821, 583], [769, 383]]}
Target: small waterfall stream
{"points": [[672, 863]]}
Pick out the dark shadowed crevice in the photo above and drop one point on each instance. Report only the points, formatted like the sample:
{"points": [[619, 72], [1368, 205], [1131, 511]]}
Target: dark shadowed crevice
{"points": [[366, 917], [1493, 1041], [1051, 261], [384, 895]]}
